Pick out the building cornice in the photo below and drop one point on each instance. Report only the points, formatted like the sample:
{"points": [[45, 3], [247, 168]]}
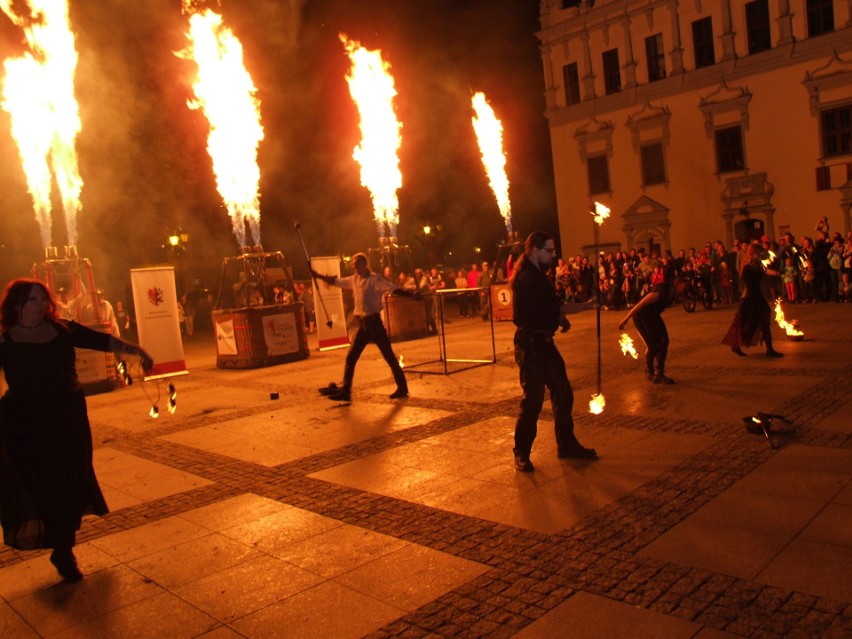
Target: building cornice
{"points": [[579, 19], [731, 72]]}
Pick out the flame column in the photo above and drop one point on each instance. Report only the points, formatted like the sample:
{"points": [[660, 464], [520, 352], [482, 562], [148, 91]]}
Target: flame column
{"points": [[372, 89]]}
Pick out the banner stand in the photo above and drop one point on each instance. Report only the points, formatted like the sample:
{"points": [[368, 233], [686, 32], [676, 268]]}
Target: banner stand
{"points": [[336, 335], [155, 303]]}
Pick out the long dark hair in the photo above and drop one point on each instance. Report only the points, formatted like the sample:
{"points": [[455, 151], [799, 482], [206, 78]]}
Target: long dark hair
{"points": [[536, 239], [15, 295]]}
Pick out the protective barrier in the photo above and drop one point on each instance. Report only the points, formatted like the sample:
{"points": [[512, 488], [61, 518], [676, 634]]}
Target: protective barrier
{"points": [[502, 307], [406, 318]]}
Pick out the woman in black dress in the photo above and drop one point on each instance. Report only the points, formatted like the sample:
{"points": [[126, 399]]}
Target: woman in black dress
{"points": [[47, 482], [752, 322]]}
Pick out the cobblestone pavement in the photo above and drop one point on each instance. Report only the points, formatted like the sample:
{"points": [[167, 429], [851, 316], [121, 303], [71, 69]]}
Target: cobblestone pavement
{"points": [[530, 573]]}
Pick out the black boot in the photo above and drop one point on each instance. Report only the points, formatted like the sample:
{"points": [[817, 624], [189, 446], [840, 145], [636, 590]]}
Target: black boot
{"points": [[66, 564], [342, 395]]}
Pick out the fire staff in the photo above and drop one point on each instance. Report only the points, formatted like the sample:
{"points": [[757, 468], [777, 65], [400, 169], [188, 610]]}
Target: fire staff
{"points": [[538, 313], [367, 290], [647, 318]]}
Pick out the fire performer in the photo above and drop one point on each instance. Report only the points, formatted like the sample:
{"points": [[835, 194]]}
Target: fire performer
{"points": [[538, 313], [753, 317], [647, 317], [367, 290], [47, 482]]}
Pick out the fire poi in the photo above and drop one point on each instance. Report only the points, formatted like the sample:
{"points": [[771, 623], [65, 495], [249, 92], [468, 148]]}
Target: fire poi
{"points": [[600, 213], [38, 94], [489, 136], [372, 89], [225, 93], [597, 403], [626, 344], [790, 328]]}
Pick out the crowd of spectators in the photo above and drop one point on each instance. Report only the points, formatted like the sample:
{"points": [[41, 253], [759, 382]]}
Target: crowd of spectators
{"points": [[812, 269]]}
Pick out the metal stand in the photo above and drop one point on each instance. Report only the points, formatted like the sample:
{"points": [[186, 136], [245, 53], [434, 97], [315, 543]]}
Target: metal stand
{"points": [[443, 359]]}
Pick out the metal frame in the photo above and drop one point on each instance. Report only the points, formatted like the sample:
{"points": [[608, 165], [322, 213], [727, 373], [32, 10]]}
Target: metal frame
{"points": [[442, 340]]}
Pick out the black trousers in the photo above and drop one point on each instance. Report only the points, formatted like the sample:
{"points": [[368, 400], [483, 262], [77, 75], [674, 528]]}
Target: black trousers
{"points": [[542, 366], [371, 329], [653, 331]]}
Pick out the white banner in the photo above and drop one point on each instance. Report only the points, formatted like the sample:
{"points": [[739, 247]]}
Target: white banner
{"points": [[226, 341], [280, 333], [155, 301], [334, 336]]}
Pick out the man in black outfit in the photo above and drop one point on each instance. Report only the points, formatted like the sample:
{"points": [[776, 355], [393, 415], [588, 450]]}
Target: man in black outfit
{"points": [[538, 313], [368, 290]]}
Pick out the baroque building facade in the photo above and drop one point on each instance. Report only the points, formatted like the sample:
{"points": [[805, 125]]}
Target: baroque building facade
{"points": [[698, 120]]}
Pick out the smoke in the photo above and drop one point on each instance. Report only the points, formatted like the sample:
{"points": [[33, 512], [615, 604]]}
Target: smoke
{"points": [[143, 153]]}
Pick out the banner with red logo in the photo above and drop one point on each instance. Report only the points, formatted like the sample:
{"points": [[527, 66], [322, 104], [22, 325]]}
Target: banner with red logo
{"points": [[328, 306], [156, 304]]}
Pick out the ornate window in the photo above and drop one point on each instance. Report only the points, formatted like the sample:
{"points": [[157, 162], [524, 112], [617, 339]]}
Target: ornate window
{"points": [[656, 57], [820, 17], [837, 131], [757, 26], [729, 149], [594, 143], [571, 78], [702, 42], [653, 163], [612, 71], [726, 120], [598, 166]]}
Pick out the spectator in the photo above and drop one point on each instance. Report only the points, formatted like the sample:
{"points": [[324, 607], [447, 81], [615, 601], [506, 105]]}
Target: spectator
{"points": [[473, 282], [835, 263], [461, 282], [788, 276]]}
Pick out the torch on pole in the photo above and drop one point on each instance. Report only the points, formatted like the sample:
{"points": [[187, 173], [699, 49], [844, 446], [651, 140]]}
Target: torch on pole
{"points": [[598, 307], [600, 213]]}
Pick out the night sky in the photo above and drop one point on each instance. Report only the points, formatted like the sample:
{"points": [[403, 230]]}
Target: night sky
{"points": [[143, 153]]}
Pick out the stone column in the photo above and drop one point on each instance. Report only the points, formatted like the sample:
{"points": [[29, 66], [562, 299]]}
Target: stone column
{"points": [[629, 61], [785, 23], [728, 45], [676, 53], [550, 84], [589, 77]]}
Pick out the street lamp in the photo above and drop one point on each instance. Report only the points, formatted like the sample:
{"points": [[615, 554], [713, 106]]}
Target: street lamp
{"points": [[178, 243], [427, 242]]}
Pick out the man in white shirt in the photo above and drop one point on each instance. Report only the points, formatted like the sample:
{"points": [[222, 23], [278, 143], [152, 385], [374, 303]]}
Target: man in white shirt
{"points": [[368, 289]]}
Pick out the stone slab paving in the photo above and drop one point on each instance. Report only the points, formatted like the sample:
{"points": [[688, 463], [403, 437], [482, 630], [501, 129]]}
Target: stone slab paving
{"points": [[240, 515]]}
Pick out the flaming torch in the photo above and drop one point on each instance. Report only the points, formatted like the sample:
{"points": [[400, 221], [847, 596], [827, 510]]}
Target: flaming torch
{"points": [[790, 328], [38, 94], [626, 344], [224, 91], [489, 135], [600, 213], [372, 89]]}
